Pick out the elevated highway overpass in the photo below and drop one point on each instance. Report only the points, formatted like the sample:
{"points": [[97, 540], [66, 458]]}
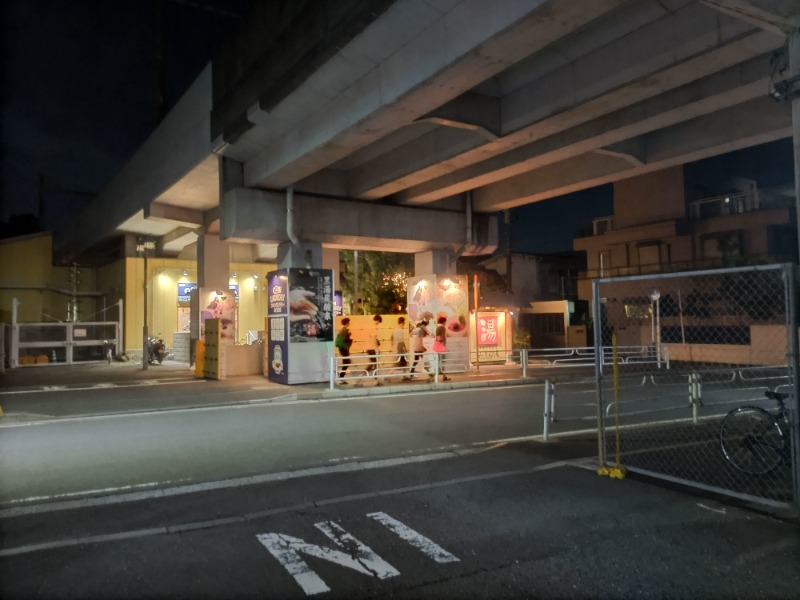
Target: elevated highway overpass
{"points": [[405, 125]]}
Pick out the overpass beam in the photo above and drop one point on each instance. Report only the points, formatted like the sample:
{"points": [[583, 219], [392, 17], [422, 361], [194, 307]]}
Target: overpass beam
{"points": [[305, 255]]}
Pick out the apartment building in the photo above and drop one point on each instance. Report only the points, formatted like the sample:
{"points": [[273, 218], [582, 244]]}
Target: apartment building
{"points": [[658, 227]]}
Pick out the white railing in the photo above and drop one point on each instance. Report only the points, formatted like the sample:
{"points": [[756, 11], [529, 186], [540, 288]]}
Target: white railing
{"points": [[380, 367], [585, 356]]}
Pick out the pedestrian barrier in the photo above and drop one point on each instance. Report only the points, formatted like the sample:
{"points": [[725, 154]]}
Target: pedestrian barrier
{"points": [[385, 366]]}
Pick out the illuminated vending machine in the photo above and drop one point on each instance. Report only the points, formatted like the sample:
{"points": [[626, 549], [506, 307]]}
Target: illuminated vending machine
{"points": [[299, 325]]}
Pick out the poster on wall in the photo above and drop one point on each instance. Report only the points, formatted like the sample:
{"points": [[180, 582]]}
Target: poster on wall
{"points": [[277, 326], [218, 304], [432, 297]]}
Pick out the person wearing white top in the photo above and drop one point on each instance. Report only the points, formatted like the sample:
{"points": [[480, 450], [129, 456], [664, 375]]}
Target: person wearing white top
{"points": [[373, 344], [418, 336]]}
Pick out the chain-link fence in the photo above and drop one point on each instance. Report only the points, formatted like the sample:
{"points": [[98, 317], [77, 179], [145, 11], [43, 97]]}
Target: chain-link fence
{"points": [[698, 413]]}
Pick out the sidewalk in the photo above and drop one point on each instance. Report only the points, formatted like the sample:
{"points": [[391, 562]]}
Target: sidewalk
{"points": [[128, 373]]}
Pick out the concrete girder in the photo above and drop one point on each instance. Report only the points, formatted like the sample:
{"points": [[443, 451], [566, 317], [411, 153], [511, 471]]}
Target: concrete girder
{"points": [[752, 123], [731, 86], [443, 61], [177, 239], [174, 214], [256, 215], [588, 104], [782, 16]]}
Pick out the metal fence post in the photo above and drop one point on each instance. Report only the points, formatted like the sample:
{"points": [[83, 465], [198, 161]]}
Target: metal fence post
{"points": [[523, 357], [790, 278], [333, 371], [695, 395], [548, 408]]}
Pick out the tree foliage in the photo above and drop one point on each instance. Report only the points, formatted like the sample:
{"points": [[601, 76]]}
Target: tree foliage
{"points": [[382, 278]]}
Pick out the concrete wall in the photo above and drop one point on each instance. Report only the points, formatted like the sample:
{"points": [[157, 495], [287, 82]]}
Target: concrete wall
{"points": [[649, 198]]}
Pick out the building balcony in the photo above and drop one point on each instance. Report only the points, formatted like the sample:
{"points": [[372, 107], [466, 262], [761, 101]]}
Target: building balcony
{"points": [[679, 266]]}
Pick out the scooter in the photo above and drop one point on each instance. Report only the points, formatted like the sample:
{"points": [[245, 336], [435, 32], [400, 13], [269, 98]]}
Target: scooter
{"points": [[156, 351], [109, 349]]}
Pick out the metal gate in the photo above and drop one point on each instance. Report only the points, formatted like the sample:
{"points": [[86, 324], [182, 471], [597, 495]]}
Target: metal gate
{"points": [[730, 335], [45, 344]]}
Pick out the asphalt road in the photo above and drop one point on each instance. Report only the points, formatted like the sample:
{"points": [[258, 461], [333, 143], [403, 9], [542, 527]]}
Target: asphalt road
{"points": [[521, 520], [179, 489], [84, 456]]}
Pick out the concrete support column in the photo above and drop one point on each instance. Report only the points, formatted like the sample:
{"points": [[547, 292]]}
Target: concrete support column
{"points": [[794, 70], [330, 260], [213, 262], [434, 262], [300, 256]]}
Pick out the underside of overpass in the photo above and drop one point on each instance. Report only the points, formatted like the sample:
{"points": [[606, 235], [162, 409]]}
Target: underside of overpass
{"points": [[406, 125]]}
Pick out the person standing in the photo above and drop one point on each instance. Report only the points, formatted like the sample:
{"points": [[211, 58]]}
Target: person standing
{"points": [[344, 340], [418, 344], [399, 343], [373, 345], [440, 344]]}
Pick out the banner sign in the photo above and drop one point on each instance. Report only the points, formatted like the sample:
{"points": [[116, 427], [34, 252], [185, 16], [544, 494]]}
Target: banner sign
{"points": [[488, 330], [278, 326], [184, 291]]}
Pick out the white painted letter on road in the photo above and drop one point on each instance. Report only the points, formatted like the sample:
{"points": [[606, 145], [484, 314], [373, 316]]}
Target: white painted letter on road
{"points": [[428, 547], [361, 558]]}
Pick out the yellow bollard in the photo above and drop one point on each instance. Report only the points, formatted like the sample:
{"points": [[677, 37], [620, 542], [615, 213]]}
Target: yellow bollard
{"points": [[199, 359]]}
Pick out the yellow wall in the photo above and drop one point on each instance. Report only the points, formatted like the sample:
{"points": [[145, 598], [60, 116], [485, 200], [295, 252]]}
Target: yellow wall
{"points": [[162, 305], [28, 275], [362, 327]]}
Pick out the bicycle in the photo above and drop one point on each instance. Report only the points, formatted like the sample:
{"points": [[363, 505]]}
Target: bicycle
{"points": [[755, 440]]}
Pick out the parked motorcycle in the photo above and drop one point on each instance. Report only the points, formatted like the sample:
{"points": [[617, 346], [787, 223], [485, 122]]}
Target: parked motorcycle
{"points": [[156, 350]]}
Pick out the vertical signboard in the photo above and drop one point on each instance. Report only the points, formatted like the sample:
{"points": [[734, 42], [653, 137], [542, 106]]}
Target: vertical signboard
{"points": [[311, 311], [491, 337], [300, 322], [278, 326], [488, 330]]}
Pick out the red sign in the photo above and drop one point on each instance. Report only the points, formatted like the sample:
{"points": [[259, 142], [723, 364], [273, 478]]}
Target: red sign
{"points": [[488, 331]]}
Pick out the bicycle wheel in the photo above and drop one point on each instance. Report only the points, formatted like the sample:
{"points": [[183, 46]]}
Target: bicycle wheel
{"points": [[751, 440]]}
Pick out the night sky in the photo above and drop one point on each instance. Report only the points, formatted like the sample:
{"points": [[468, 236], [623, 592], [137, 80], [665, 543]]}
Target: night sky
{"points": [[81, 92]]}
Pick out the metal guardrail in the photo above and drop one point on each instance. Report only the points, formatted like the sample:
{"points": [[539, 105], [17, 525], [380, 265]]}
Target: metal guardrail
{"points": [[585, 356]]}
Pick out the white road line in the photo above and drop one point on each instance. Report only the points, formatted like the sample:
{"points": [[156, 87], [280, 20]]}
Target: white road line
{"points": [[193, 526], [96, 386]]}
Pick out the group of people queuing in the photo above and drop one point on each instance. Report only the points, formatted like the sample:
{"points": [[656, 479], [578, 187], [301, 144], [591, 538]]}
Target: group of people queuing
{"points": [[344, 340]]}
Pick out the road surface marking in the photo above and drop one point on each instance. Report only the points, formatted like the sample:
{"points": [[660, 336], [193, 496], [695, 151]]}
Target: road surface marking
{"points": [[95, 386], [425, 545], [358, 556], [183, 527]]}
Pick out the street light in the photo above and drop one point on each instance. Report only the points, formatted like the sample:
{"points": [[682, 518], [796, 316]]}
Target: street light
{"points": [[142, 246], [655, 325]]}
